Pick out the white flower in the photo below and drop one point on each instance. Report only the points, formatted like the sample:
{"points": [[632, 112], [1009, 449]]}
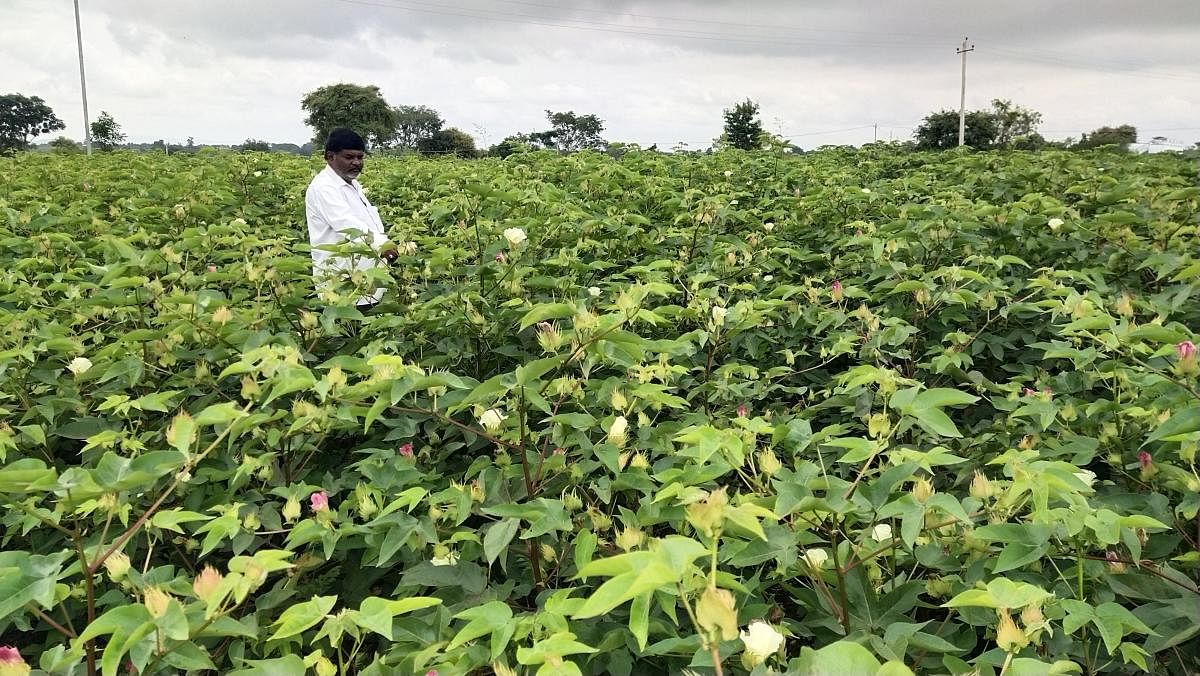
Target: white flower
{"points": [[733, 203], [257, 174], [593, 291], [409, 248], [767, 278], [768, 226], [728, 173], [515, 236], [449, 559], [1088, 477], [616, 433], [881, 532], [866, 191], [1055, 223], [762, 640], [79, 365], [718, 314], [491, 419], [815, 558]]}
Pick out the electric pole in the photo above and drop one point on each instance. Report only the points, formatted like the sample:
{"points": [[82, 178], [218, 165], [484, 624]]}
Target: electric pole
{"points": [[962, 101], [87, 125]]}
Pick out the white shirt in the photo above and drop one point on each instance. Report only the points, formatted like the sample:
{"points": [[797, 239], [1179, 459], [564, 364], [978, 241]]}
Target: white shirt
{"points": [[335, 210]]}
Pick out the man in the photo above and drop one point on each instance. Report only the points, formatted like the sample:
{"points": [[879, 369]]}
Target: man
{"points": [[339, 213]]}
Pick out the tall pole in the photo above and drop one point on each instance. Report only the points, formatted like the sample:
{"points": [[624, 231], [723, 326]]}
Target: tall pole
{"points": [[962, 101], [87, 125]]}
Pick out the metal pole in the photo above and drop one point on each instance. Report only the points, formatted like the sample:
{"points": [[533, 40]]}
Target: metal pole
{"points": [[87, 125], [962, 101]]}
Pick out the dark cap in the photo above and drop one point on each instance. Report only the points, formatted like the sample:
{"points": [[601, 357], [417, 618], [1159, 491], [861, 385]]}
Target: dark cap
{"points": [[344, 138]]}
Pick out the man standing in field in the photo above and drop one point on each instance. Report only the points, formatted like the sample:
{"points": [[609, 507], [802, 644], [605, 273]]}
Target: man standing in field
{"points": [[339, 213]]}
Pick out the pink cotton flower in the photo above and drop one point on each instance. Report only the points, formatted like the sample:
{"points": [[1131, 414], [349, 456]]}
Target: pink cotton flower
{"points": [[11, 661], [1028, 392], [743, 410], [212, 268], [406, 450], [836, 291], [1186, 350], [500, 257], [319, 501], [1144, 460]]}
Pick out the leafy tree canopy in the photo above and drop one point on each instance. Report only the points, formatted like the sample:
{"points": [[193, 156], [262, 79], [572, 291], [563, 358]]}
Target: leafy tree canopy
{"points": [[449, 141], [939, 131], [22, 118], [256, 145], [360, 107], [1120, 136], [415, 123], [106, 133], [1013, 122], [570, 132], [66, 146], [742, 125]]}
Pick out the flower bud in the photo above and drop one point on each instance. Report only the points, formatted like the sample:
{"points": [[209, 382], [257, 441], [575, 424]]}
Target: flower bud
{"points": [[156, 601], [922, 490], [631, 538], [718, 315], [491, 419], [716, 613], [291, 510], [618, 401], [981, 488], [768, 464], [549, 337], [836, 292], [319, 501], [1146, 463], [324, 667], [117, 565], [1009, 637], [708, 515], [815, 558], [1032, 616], [206, 583], [617, 431]]}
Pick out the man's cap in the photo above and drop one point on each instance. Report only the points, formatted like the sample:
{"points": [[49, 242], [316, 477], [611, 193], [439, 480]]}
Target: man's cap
{"points": [[344, 138]]}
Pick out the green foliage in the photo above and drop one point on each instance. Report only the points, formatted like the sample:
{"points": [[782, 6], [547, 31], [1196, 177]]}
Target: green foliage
{"points": [[255, 145], [448, 142], [67, 146], [23, 118], [570, 132], [742, 125], [1120, 137], [939, 131], [360, 107], [864, 411], [415, 124], [106, 133], [1015, 124]]}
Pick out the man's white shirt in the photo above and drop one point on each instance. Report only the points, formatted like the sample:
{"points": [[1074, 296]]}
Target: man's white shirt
{"points": [[338, 212]]}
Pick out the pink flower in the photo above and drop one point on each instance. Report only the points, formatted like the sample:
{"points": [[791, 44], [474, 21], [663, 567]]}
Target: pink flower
{"points": [[212, 268], [406, 450], [836, 291], [1186, 350], [500, 257], [560, 451], [1028, 392], [431, 672], [1144, 460], [11, 661], [743, 410], [320, 501]]}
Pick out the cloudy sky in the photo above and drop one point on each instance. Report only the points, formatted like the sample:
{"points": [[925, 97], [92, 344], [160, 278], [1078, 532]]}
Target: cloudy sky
{"points": [[656, 71]]}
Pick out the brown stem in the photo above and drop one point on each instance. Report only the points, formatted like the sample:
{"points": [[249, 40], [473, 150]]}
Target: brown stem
{"points": [[50, 621]]}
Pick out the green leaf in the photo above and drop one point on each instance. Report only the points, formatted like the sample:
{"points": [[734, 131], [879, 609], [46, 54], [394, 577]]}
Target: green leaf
{"points": [[541, 313], [301, 616], [481, 620], [376, 614], [288, 665], [127, 625], [182, 433], [840, 657], [498, 536], [1184, 421], [639, 618]]}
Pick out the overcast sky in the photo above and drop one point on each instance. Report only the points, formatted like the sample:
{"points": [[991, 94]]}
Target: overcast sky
{"points": [[823, 71]]}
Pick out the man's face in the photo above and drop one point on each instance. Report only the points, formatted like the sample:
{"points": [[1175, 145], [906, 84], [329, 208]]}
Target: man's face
{"points": [[346, 163]]}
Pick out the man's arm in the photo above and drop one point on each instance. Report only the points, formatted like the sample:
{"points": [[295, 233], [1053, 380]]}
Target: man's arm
{"points": [[326, 208]]}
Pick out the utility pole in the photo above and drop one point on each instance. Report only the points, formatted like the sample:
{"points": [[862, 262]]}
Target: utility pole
{"points": [[876, 132], [962, 101], [87, 125]]}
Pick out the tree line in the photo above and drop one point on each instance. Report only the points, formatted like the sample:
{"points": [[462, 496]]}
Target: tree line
{"points": [[421, 129]]}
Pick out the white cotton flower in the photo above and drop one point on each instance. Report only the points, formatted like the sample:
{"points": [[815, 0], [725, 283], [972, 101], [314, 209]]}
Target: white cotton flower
{"points": [[450, 559], [593, 291], [881, 532], [257, 174], [1055, 223], [79, 365], [733, 203], [491, 419], [815, 558], [761, 640], [616, 433], [718, 314], [1088, 477], [728, 173], [768, 226], [767, 278], [515, 236], [866, 191]]}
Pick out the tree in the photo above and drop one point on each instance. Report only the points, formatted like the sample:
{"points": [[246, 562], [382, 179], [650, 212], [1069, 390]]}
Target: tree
{"points": [[414, 123], [570, 132], [65, 146], [106, 133], [360, 107], [255, 145], [23, 118], [447, 142], [1013, 121], [1120, 136], [939, 131], [742, 125], [509, 145]]}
